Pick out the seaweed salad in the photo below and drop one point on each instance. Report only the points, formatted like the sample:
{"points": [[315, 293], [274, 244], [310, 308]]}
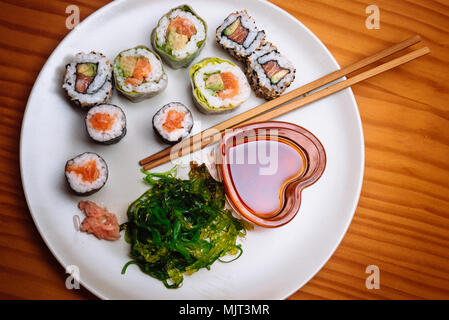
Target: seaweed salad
{"points": [[180, 226]]}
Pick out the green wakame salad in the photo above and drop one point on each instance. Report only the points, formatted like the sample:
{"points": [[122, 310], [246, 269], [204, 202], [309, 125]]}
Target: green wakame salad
{"points": [[180, 226]]}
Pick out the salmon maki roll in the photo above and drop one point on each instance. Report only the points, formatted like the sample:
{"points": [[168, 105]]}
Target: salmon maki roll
{"points": [[218, 85], [106, 123], [139, 74], [239, 35], [179, 36], [86, 173], [172, 122], [88, 79], [269, 72]]}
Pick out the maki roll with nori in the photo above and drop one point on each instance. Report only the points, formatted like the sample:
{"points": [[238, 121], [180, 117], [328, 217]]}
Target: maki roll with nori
{"points": [[173, 122], [269, 72], [86, 173], [179, 36], [239, 35], [106, 123], [218, 85], [88, 79], [139, 74]]}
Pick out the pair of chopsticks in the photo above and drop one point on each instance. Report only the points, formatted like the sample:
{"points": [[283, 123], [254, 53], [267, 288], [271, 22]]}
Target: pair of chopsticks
{"points": [[282, 105]]}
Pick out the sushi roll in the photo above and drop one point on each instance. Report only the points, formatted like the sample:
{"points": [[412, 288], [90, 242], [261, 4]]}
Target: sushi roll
{"points": [[86, 173], [88, 79], [269, 72], [173, 122], [106, 123], [239, 35], [179, 36], [139, 74], [218, 85]]}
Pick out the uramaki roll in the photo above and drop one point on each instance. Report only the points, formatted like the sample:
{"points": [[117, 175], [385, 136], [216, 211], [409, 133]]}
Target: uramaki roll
{"points": [[88, 79], [86, 173], [269, 72], [106, 123], [239, 35]]}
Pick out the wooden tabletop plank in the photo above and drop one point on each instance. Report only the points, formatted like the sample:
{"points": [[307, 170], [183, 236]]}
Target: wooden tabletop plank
{"points": [[402, 220]]}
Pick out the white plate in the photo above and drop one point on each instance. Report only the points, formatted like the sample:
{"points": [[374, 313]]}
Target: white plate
{"points": [[275, 263]]}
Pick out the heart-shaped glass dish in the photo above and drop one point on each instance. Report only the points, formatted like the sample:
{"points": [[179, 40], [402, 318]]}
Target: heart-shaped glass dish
{"points": [[264, 167]]}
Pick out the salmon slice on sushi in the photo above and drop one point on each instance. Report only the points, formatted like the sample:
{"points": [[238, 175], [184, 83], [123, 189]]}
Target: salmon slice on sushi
{"points": [[106, 123], [218, 85], [86, 173], [269, 72], [172, 122]]}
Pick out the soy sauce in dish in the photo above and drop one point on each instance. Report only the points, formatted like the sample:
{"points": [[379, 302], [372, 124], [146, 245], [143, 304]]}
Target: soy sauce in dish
{"points": [[260, 168]]}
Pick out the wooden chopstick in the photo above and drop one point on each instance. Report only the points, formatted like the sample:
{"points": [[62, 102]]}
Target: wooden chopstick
{"points": [[284, 98], [199, 144]]}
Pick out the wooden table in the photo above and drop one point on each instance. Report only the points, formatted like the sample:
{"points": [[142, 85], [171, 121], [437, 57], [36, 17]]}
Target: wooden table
{"points": [[402, 219]]}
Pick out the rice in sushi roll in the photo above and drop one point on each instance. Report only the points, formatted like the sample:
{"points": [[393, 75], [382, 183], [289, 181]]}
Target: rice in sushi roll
{"points": [[106, 123], [239, 35], [179, 36], [86, 173], [218, 85], [269, 72], [173, 122], [139, 74], [88, 79]]}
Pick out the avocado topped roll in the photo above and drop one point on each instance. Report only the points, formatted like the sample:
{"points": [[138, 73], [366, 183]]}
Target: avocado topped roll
{"points": [[179, 36], [218, 85], [239, 35], [269, 72], [139, 74], [88, 79]]}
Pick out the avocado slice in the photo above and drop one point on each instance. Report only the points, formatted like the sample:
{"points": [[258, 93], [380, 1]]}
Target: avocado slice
{"points": [[279, 75], [177, 41], [128, 64], [214, 82], [230, 29], [87, 69]]}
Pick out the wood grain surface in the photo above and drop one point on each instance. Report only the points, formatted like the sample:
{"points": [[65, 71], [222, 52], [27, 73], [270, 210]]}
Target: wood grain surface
{"points": [[402, 220]]}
